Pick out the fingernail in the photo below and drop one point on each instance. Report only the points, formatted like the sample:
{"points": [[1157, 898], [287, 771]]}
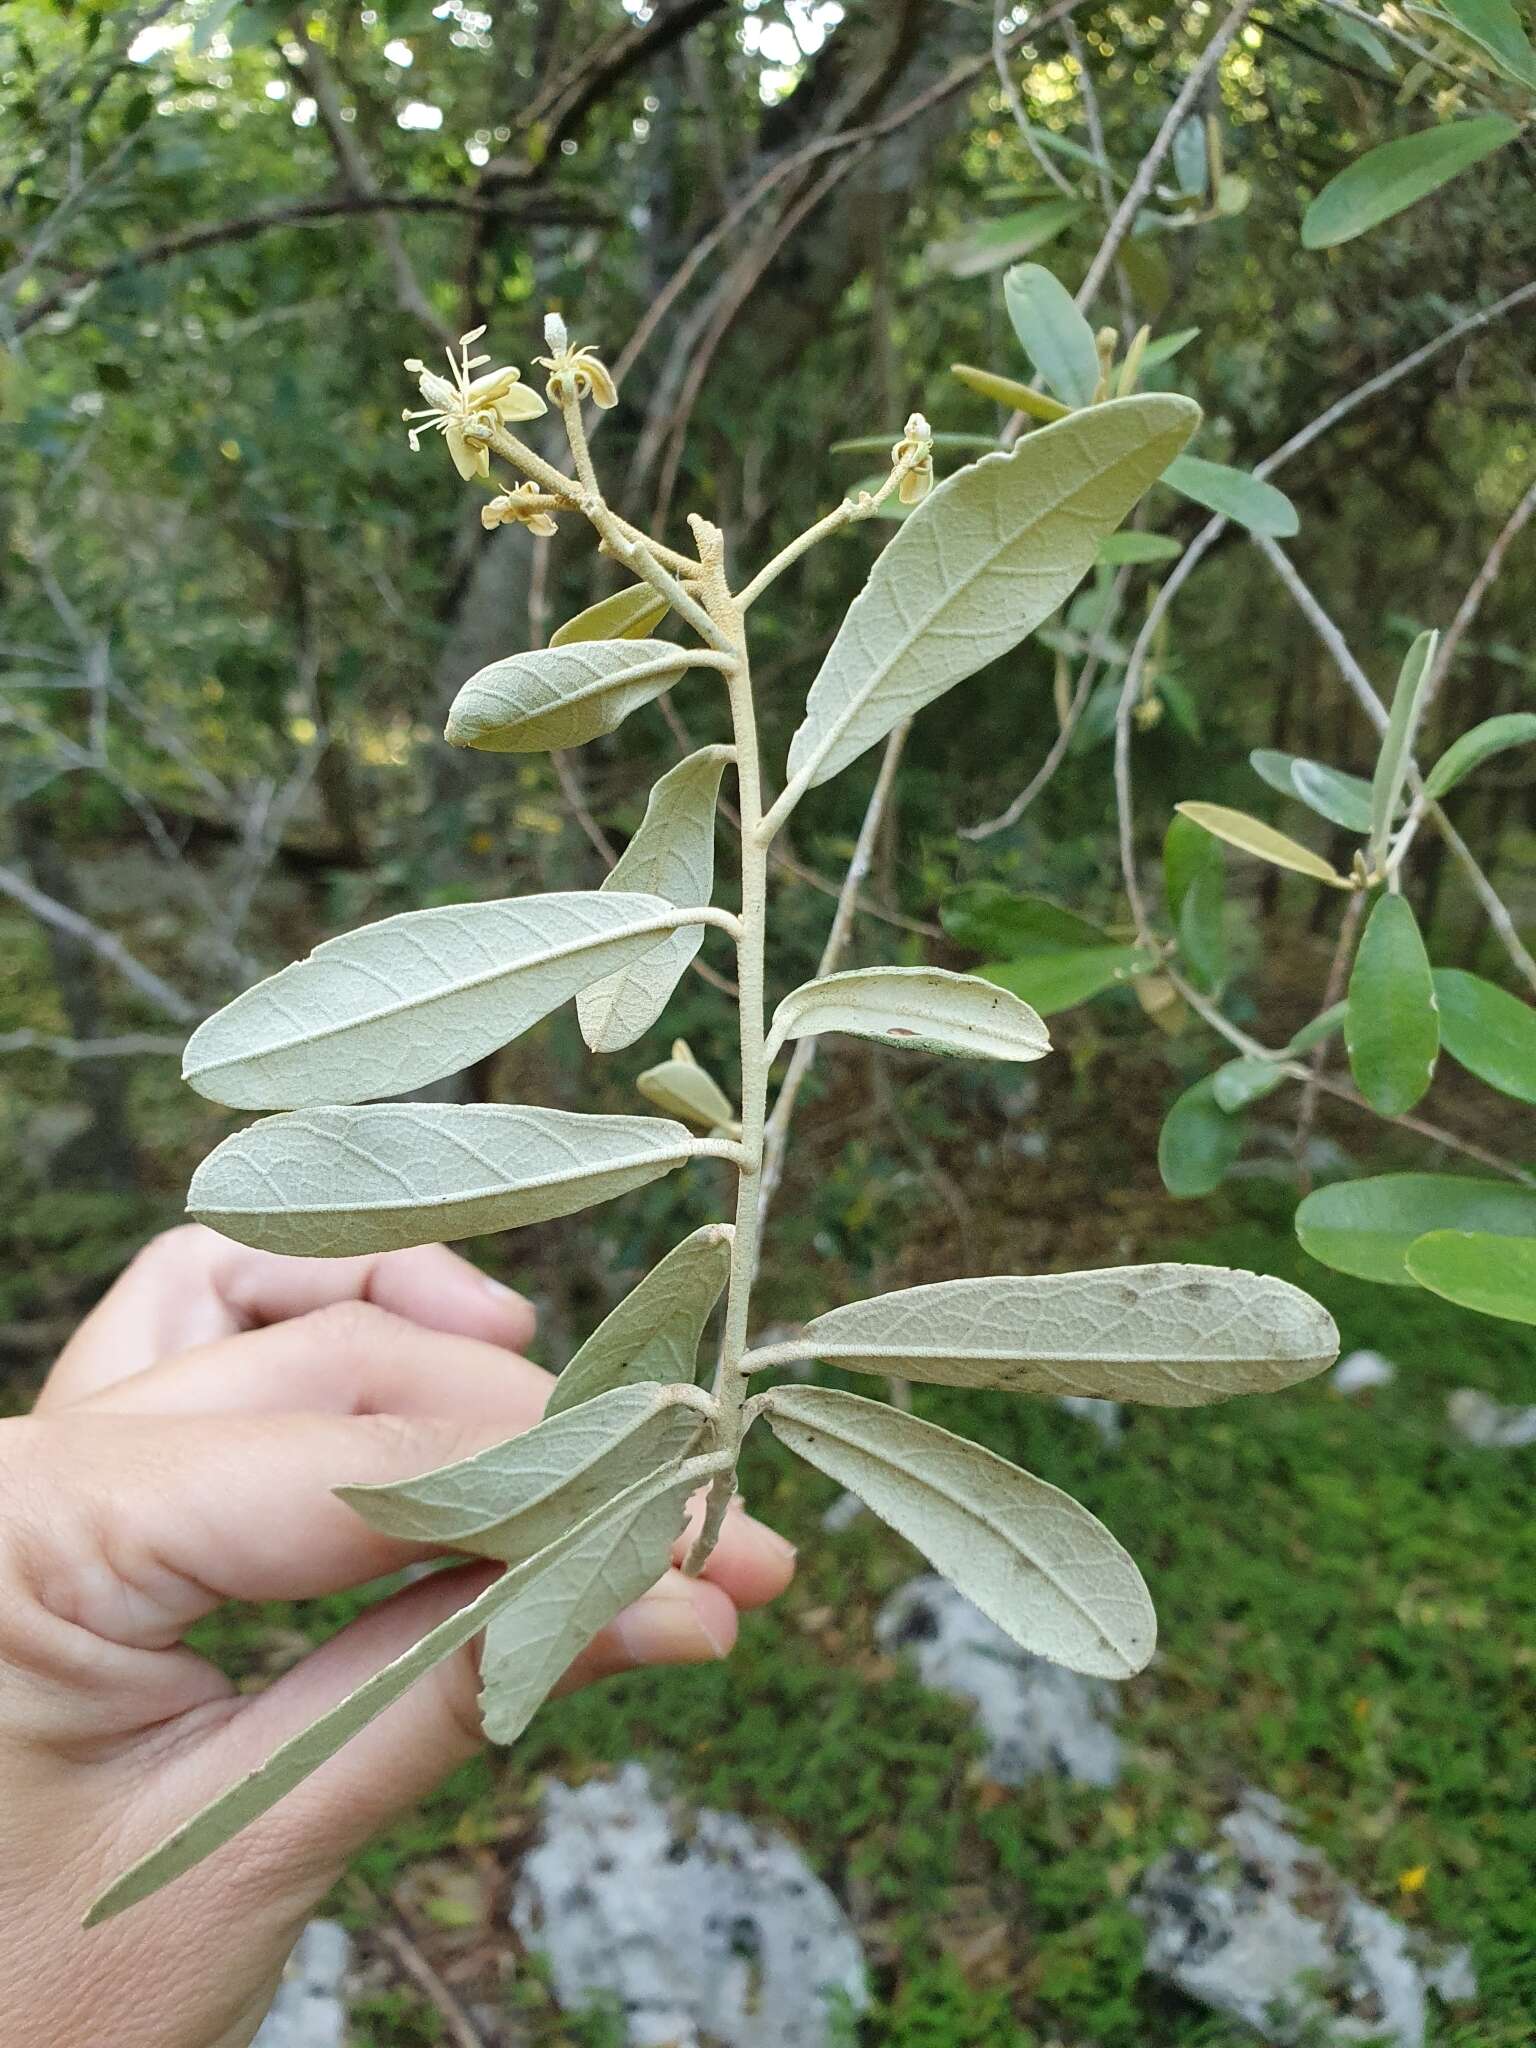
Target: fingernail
{"points": [[666, 1627], [493, 1286]]}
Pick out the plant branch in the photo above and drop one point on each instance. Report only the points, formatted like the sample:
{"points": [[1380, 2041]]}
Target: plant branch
{"points": [[102, 944]]}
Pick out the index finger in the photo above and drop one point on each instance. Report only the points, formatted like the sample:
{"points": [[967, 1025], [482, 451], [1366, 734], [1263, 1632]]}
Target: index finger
{"points": [[190, 1287]]}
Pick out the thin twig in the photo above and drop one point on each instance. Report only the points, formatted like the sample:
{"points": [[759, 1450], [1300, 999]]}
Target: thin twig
{"points": [[389, 1926], [101, 943], [1016, 107], [129, 1046]]}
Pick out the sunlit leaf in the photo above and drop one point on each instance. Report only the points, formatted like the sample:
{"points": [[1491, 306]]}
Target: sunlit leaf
{"points": [[1365, 1227], [983, 560], [655, 1331], [329, 1183], [1488, 1031], [401, 1003], [563, 696], [1198, 1143], [1055, 336], [1261, 840], [1396, 755], [1496, 1276], [1398, 174], [920, 1009], [630, 614], [681, 1087], [672, 855], [1035, 1563], [1246, 500], [1513, 729], [1169, 1335], [1391, 1027], [1344, 800], [1010, 392], [509, 1502]]}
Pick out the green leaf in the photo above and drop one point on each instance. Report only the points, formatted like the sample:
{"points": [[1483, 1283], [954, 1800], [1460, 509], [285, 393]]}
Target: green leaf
{"points": [[563, 696], [991, 919], [1244, 1081], [681, 1087], [882, 444], [1513, 729], [1035, 1563], [1132, 547], [1049, 982], [1198, 1142], [543, 1579], [1191, 159], [1170, 1335], [403, 1002], [1397, 175], [919, 1009], [997, 242], [1246, 500], [983, 560], [655, 1332], [1493, 27], [1496, 1276], [1054, 334], [1350, 30], [1261, 840], [1322, 1026], [1342, 799], [531, 1644], [671, 856], [1167, 346], [1391, 1027], [1396, 755], [630, 614], [1488, 1031], [1010, 392], [331, 1183], [513, 1500], [1195, 876], [1365, 1227]]}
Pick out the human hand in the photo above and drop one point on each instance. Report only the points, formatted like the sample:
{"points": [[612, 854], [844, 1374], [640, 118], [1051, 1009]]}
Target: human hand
{"points": [[182, 1454]]}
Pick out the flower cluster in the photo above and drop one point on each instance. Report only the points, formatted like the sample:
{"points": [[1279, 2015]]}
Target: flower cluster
{"points": [[526, 506], [461, 400]]}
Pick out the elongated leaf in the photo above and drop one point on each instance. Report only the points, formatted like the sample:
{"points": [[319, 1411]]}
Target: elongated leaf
{"points": [[1392, 1028], [1492, 26], [1246, 500], [1513, 729], [1131, 547], [295, 1760], [530, 1644], [630, 614], [562, 696], [1166, 346], [997, 242], [923, 1009], [1054, 334], [1169, 1335], [982, 561], [1195, 876], [1322, 1026], [1365, 1227], [991, 919], [654, 1332], [328, 1183], [1198, 1143], [1395, 758], [511, 1501], [1397, 175], [1049, 982], [1261, 840], [684, 1088], [1488, 1031], [1035, 1563], [403, 1002], [1010, 392], [1244, 1081], [1494, 1275], [1342, 799], [882, 444], [671, 856]]}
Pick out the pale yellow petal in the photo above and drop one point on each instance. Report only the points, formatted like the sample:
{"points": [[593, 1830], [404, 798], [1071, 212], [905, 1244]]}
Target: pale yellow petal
{"points": [[470, 458], [520, 403], [604, 391]]}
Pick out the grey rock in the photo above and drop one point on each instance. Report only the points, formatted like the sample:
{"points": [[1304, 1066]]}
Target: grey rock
{"points": [[700, 1929], [310, 2010], [1265, 1932], [1359, 1371], [1488, 1423], [1039, 1720], [1107, 1417]]}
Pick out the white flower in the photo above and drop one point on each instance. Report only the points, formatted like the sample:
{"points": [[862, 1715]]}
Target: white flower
{"points": [[526, 506], [574, 372], [916, 443], [462, 399]]}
